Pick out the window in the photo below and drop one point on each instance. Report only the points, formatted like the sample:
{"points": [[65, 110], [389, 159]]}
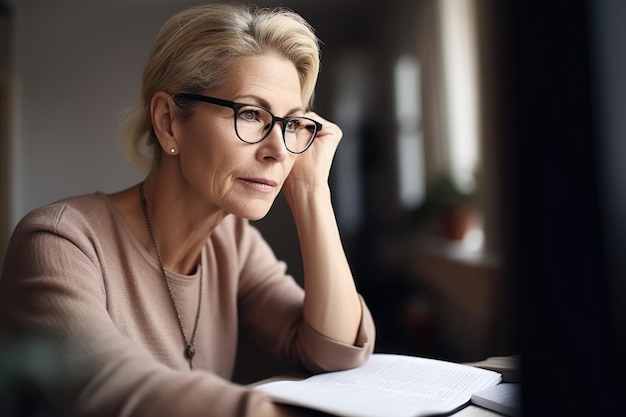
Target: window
{"points": [[411, 172], [461, 97]]}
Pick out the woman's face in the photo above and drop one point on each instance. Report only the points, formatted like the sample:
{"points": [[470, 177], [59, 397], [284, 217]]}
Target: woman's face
{"points": [[231, 175]]}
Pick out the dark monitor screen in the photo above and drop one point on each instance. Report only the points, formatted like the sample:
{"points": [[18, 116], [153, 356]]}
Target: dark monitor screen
{"points": [[566, 175]]}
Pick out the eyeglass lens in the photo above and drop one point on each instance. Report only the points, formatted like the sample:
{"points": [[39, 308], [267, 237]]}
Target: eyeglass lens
{"points": [[253, 124]]}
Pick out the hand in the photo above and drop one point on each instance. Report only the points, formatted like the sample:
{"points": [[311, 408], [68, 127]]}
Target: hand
{"points": [[312, 168], [271, 409]]}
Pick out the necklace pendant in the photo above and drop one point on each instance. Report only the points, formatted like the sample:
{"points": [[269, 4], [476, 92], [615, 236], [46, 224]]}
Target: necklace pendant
{"points": [[190, 351]]}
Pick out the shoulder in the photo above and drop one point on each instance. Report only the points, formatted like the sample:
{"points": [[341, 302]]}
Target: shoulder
{"points": [[62, 238], [66, 215]]}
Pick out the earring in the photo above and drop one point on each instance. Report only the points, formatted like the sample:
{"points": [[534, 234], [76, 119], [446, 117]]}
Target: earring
{"points": [[172, 151]]}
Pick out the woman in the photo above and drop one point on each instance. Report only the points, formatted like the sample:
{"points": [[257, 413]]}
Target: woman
{"points": [[144, 290]]}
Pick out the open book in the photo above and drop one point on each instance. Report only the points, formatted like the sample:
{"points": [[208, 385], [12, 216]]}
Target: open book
{"points": [[387, 385]]}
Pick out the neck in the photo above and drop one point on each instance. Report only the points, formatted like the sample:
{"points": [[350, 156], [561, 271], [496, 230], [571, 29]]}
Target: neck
{"points": [[181, 223]]}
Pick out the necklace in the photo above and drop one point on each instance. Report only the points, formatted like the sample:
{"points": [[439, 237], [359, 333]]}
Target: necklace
{"points": [[190, 349]]}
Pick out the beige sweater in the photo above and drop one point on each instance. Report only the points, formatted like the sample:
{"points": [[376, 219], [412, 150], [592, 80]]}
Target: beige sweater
{"points": [[74, 269]]}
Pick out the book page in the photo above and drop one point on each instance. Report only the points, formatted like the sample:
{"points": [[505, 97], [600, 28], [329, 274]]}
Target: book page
{"points": [[387, 385]]}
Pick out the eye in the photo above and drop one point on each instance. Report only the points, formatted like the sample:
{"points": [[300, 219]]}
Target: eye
{"points": [[293, 125], [249, 114]]}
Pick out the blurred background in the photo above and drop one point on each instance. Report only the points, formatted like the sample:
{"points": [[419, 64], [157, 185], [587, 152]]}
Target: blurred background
{"points": [[479, 187]]}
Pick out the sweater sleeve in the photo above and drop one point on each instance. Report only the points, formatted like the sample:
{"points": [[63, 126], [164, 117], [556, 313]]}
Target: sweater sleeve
{"points": [[270, 303], [52, 285]]}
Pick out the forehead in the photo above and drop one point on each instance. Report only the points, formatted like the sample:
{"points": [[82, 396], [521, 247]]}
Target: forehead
{"points": [[269, 77]]}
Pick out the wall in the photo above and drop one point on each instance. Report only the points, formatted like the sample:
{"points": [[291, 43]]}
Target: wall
{"points": [[77, 67], [6, 31]]}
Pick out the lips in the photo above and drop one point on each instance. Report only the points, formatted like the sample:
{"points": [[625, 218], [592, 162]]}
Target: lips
{"points": [[260, 184]]}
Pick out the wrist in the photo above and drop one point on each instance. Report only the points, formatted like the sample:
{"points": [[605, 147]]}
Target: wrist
{"points": [[302, 194]]}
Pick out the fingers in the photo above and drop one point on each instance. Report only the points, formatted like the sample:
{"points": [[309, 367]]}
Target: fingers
{"points": [[328, 127]]}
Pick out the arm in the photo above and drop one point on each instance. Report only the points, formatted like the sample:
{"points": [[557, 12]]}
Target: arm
{"points": [[270, 309], [331, 304]]}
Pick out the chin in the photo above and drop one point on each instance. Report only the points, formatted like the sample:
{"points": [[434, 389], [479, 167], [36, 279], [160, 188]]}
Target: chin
{"points": [[254, 218], [254, 213]]}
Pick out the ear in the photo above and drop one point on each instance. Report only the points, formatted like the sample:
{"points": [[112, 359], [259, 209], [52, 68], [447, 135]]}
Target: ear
{"points": [[162, 111]]}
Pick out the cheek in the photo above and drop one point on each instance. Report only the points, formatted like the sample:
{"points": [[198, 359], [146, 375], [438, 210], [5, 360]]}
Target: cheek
{"points": [[205, 155], [289, 163]]}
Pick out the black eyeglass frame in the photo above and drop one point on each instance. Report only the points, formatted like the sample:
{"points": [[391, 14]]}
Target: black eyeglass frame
{"points": [[237, 106]]}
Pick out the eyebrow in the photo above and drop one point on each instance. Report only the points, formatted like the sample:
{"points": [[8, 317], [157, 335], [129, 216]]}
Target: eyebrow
{"points": [[265, 104]]}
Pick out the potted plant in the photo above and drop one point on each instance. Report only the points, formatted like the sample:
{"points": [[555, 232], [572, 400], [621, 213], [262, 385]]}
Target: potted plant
{"points": [[450, 207]]}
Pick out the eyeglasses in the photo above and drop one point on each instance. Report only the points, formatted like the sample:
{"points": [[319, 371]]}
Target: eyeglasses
{"points": [[254, 123]]}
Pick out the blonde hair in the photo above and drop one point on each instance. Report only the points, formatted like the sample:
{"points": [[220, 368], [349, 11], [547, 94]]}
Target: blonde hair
{"points": [[195, 48]]}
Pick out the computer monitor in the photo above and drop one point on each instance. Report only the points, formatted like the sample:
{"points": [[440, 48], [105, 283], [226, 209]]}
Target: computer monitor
{"points": [[565, 168]]}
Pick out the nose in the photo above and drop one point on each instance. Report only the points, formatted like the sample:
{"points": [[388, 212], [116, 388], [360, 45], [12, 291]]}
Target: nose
{"points": [[273, 146]]}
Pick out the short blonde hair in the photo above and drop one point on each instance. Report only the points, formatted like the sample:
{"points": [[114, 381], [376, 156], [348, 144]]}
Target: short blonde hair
{"points": [[195, 48]]}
